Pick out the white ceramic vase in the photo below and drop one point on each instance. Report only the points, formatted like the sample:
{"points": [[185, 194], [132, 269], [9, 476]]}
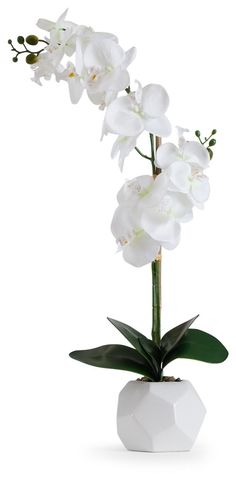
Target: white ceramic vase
{"points": [[159, 416]]}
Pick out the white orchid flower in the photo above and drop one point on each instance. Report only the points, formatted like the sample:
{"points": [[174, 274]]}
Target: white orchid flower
{"points": [[105, 63], [148, 217], [122, 147], [184, 166], [137, 246], [162, 220], [62, 32], [143, 110], [74, 80], [47, 64]]}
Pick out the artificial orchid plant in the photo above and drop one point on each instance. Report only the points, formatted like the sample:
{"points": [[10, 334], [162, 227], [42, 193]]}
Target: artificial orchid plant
{"points": [[150, 208]]}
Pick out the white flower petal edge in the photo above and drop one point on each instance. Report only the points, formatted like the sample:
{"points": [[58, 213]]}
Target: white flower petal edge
{"points": [[155, 100], [141, 251], [122, 148]]}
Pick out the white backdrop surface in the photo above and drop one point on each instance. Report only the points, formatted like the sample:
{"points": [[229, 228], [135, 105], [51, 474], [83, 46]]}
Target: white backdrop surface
{"points": [[59, 274]]}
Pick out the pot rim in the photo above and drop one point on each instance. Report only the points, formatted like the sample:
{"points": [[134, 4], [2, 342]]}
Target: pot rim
{"points": [[158, 382]]}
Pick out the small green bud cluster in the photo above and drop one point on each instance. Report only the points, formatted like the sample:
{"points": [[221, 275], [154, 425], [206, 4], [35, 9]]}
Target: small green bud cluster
{"points": [[31, 39], [212, 141]]}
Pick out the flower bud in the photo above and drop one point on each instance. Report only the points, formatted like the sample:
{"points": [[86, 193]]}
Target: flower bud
{"points": [[214, 131], [9, 41], [32, 39], [15, 59], [20, 39], [31, 58], [212, 142], [198, 134]]}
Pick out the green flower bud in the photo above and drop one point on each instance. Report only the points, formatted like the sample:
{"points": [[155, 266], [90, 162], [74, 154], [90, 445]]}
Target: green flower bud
{"points": [[32, 39], [31, 58], [9, 41], [210, 152], [15, 59], [20, 39], [212, 142], [214, 131], [198, 134]]}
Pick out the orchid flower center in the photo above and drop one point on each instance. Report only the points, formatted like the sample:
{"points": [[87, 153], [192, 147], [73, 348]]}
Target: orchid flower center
{"points": [[136, 187], [94, 73]]}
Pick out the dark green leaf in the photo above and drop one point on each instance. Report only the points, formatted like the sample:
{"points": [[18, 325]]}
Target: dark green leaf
{"points": [[198, 345], [171, 338], [141, 343], [115, 357], [153, 355], [210, 152]]}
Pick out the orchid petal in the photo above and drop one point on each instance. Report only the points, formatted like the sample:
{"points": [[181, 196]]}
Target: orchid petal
{"points": [[123, 146], [155, 100], [75, 89], [104, 35], [180, 133], [181, 207], [104, 53], [159, 126], [142, 250], [200, 189], [196, 154], [45, 24], [124, 222], [135, 189], [62, 17], [179, 173], [138, 92], [94, 96], [156, 192], [109, 97], [160, 226], [171, 245], [79, 62], [120, 118], [166, 154], [129, 57], [116, 80]]}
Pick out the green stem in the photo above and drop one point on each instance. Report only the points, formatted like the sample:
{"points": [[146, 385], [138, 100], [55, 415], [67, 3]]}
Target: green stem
{"points": [[156, 265], [152, 153], [141, 154], [156, 301]]}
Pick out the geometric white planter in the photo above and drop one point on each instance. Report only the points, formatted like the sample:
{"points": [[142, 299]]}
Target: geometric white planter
{"points": [[159, 416]]}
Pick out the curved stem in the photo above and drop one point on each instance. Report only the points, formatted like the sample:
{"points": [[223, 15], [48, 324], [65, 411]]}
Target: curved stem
{"points": [[141, 154], [27, 51]]}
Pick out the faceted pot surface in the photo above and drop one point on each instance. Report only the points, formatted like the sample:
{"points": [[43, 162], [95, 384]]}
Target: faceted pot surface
{"points": [[159, 416]]}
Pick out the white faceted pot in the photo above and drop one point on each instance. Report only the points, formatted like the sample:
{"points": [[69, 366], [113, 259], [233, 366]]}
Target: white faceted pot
{"points": [[159, 416]]}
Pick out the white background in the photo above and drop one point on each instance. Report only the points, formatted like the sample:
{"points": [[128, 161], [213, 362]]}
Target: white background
{"points": [[59, 274]]}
